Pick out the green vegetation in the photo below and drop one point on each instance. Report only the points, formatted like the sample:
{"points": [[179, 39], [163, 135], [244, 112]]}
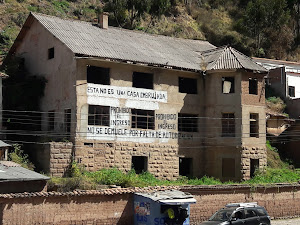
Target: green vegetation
{"points": [[18, 156], [276, 104], [265, 28], [276, 172]]}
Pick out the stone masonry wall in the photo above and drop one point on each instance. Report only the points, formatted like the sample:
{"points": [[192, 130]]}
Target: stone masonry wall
{"points": [[248, 153], [162, 158], [115, 206], [60, 157]]}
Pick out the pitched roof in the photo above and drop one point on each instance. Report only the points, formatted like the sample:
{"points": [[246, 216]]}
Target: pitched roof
{"points": [[10, 171], [3, 144], [224, 58], [86, 39]]}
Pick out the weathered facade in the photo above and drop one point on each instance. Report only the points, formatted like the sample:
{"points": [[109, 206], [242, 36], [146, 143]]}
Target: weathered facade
{"points": [[128, 99]]}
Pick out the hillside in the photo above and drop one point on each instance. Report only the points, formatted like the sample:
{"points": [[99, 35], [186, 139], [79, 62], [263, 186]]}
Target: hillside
{"points": [[264, 28]]}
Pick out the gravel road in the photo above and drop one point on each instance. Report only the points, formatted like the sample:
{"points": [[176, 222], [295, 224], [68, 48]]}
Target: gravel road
{"points": [[286, 222]]}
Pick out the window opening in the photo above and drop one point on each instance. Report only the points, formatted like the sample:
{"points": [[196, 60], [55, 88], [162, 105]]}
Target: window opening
{"points": [[142, 80], [253, 86], [139, 164], [254, 165], [143, 119], [99, 115], [228, 167], [185, 166], [254, 129], [98, 75], [291, 91], [51, 120], [91, 145], [228, 125], [228, 85], [50, 53], [187, 122], [67, 120], [187, 85]]}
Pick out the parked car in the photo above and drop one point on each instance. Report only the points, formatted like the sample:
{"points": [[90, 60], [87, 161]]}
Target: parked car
{"points": [[240, 214]]}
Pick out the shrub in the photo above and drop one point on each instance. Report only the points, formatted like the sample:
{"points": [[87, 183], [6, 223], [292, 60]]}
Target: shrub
{"points": [[18, 156]]}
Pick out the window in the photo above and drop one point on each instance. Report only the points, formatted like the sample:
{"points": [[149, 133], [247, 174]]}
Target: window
{"points": [[51, 120], [185, 166], [143, 119], [67, 120], [228, 125], [254, 131], [291, 91], [50, 53], [139, 164], [254, 165], [187, 85], [228, 167], [98, 75], [253, 86], [187, 122], [228, 85], [98, 115], [142, 80], [249, 213]]}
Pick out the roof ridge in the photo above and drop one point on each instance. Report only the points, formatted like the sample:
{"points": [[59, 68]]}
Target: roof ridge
{"points": [[120, 28], [221, 53]]}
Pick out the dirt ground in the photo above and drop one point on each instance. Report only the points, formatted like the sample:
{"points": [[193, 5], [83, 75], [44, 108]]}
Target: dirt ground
{"points": [[295, 221]]}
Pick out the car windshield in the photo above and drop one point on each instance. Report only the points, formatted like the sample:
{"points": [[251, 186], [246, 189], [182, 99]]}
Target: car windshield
{"points": [[222, 215]]}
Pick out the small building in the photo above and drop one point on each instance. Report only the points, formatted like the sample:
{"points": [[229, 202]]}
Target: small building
{"points": [[277, 122], [128, 99], [15, 179], [3, 150]]}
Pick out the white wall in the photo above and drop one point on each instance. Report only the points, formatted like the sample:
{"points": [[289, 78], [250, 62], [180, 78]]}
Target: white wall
{"points": [[294, 81]]}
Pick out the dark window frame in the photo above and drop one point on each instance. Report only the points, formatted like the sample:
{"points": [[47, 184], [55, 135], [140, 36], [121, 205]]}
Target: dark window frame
{"points": [[232, 88], [99, 115], [98, 75], [67, 120], [188, 85], [228, 125], [51, 53], [253, 86], [51, 120], [254, 125], [143, 119], [139, 160], [292, 91], [143, 80], [226, 171], [187, 122]]}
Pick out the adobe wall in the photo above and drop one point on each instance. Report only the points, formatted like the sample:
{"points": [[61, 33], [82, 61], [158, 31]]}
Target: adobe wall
{"points": [[115, 206]]}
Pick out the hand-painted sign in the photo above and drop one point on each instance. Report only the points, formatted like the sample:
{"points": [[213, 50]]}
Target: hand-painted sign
{"points": [[126, 93]]}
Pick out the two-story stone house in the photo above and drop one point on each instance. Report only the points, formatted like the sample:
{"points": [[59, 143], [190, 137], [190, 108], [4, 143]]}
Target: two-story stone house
{"points": [[128, 99]]}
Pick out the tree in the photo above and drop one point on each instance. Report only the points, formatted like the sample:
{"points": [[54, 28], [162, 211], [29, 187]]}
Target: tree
{"points": [[261, 16]]}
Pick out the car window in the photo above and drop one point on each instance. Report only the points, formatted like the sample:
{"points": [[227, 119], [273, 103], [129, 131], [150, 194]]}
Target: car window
{"points": [[238, 215], [222, 215], [261, 212], [250, 213]]}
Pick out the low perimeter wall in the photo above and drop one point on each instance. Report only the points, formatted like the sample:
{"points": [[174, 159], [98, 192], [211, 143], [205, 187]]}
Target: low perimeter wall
{"points": [[115, 206]]}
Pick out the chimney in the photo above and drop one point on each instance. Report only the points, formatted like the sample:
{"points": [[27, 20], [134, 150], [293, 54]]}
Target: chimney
{"points": [[103, 20]]}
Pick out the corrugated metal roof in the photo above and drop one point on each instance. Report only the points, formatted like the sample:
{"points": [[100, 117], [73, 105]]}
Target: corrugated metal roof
{"points": [[86, 39], [3, 144], [10, 171], [121, 44], [224, 58]]}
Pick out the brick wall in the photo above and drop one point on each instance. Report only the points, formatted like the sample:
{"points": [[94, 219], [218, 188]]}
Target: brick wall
{"points": [[116, 206], [162, 158], [60, 157]]}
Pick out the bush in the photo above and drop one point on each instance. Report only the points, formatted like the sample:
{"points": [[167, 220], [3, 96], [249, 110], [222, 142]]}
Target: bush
{"points": [[18, 156]]}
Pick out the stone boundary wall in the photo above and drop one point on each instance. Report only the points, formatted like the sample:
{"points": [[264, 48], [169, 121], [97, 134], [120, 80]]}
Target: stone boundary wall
{"points": [[60, 157], [162, 158], [115, 206]]}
